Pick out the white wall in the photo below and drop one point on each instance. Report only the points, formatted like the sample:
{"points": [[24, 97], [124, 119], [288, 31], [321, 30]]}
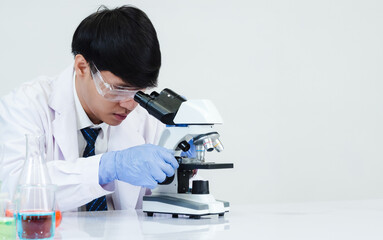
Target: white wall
{"points": [[297, 82]]}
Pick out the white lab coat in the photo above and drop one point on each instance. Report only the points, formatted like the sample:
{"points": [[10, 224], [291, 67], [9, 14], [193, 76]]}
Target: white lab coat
{"points": [[46, 105]]}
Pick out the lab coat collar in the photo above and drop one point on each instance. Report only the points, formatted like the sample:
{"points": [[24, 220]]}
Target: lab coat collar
{"points": [[82, 118], [64, 124], [61, 98]]}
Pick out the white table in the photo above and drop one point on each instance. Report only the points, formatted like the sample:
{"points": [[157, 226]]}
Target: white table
{"points": [[323, 220]]}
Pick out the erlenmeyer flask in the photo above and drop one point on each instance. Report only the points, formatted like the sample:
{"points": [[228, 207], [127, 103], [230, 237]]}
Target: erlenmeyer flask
{"points": [[35, 196], [35, 171]]}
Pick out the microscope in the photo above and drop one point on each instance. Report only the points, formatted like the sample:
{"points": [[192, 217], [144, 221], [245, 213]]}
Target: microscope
{"points": [[186, 121]]}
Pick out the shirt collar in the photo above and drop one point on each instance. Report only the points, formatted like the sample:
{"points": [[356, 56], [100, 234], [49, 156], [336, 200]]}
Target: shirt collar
{"points": [[82, 118]]}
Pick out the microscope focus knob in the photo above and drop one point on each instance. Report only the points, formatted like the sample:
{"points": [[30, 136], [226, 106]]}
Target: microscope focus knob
{"points": [[200, 187], [184, 146]]}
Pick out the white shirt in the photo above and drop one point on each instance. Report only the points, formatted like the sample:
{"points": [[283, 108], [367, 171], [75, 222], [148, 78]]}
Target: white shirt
{"points": [[101, 144], [83, 121]]}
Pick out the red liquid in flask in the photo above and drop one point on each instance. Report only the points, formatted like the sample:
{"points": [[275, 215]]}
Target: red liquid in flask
{"points": [[36, 225], [59, 217]]}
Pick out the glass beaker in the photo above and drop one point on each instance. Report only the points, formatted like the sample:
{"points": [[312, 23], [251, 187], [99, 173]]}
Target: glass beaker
{"points": [[36, 211]]}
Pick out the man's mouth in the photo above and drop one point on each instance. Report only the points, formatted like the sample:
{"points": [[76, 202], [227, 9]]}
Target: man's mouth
{"points": [[120, 116]]}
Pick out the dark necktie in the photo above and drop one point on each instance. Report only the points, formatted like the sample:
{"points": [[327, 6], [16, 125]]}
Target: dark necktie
{"points": [[90, 135]]}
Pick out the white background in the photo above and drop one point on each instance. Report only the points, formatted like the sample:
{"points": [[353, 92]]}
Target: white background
{"points": [[298, 84]]}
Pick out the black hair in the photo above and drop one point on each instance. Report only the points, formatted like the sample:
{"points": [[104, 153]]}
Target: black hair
{"points": [[122, 41]]}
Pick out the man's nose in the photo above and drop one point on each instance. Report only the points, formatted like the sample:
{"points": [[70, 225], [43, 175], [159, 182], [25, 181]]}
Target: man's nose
{"points": [[129, 104]]}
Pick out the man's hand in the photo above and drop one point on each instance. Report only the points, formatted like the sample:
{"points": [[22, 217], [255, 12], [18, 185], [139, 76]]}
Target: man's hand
{"points": [[145, 165]]}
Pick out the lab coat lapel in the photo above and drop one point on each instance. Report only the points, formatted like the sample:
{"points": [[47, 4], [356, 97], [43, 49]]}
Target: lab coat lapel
{"points": [[64, 124]]}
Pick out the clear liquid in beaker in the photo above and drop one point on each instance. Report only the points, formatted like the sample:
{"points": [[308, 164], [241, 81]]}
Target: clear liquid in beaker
{"points": [[36, 225]]}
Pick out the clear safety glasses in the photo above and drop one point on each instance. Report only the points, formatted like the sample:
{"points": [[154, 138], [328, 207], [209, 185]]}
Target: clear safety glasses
{"points": [[112, 92]]}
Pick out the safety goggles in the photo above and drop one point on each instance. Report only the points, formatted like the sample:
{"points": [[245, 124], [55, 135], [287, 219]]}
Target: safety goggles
{"points": [[112, 92]]}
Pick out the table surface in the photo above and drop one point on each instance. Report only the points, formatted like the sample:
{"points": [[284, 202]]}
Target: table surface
{"points": [[322, 220]]}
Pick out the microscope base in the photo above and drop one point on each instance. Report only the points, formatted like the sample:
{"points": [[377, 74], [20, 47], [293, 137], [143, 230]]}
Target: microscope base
{"points": [[193, 205]]}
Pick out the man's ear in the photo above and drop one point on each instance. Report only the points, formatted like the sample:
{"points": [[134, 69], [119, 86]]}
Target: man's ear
{"points": [[81, 66]]}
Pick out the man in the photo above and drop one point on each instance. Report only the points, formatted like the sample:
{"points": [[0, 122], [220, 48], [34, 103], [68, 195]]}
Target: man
{"points": [[98, 142]]}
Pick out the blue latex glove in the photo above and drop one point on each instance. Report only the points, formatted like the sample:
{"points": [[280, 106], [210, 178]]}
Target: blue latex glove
{"points": [[144, 165]]}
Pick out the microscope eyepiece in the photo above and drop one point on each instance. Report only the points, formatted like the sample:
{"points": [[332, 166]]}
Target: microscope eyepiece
{"points": [[163, 106], [142, 98]]}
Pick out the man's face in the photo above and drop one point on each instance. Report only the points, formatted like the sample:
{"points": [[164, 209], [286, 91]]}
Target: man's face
{"points": [[98, 108]]}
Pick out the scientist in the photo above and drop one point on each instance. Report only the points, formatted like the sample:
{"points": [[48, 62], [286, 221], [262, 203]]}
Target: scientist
{"points": [[98, 142]]}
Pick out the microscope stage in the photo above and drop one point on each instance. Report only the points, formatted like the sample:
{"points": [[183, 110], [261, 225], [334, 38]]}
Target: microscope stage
{"points": [[207, 165]]}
